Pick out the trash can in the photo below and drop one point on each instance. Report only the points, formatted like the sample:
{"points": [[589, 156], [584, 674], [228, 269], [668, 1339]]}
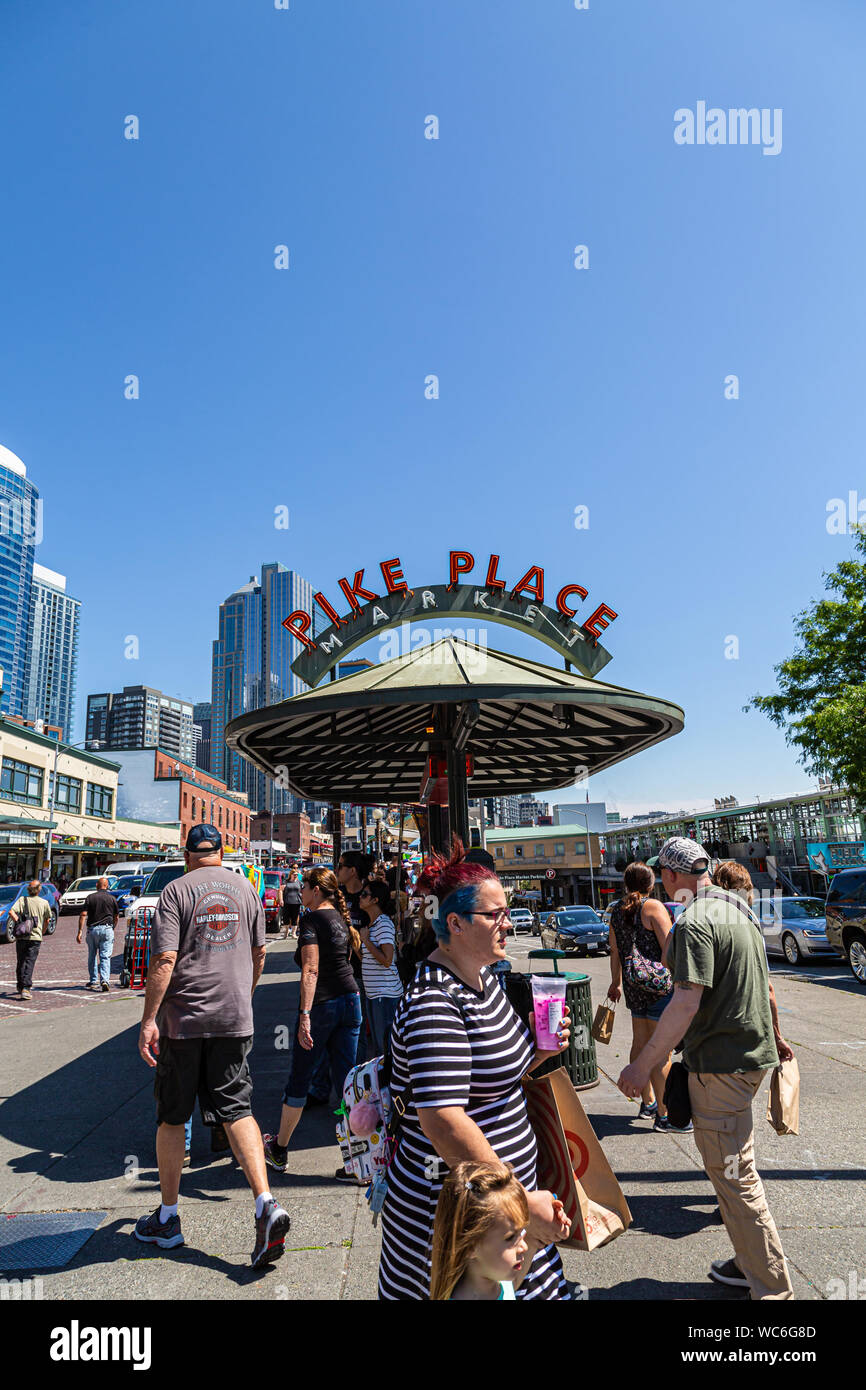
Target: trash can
{"points": [[579, 1060]]}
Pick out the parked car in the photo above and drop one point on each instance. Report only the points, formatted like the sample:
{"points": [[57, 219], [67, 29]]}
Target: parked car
{"points": [[128, 887], [521, 919], [795, 928], [11, 892], [578, 930], [74, 898], [845, 915]]}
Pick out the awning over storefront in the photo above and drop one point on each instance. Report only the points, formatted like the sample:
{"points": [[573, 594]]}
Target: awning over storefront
{"points": [[522, 726]]}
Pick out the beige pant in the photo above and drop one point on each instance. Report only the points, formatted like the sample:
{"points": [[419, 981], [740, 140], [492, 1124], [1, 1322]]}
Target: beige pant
{"points": [[724, 1134]]}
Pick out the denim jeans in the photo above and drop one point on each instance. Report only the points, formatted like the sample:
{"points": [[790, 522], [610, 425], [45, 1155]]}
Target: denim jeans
{"points": [[334, 1025], [380, 1013], [100, 944]]}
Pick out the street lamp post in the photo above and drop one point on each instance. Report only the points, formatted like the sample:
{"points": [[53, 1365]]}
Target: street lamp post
{"points": [[585, 820], [377, 817], [47, 865]]}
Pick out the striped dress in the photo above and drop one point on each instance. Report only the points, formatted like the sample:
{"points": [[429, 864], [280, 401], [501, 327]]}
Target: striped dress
{"points": [[459, 1046]]}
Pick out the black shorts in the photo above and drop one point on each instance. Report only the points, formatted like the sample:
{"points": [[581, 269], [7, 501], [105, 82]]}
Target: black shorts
{"points": [[291, 913], [214, 1069]]}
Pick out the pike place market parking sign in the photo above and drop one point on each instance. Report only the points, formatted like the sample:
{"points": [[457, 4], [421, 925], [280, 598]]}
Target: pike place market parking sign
{"points": [[521, 607]]}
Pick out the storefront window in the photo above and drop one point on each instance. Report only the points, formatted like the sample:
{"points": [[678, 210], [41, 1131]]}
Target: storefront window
{"points": [[21, 782]]}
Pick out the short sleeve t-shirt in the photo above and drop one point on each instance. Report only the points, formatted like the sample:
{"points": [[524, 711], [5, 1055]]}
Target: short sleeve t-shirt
{"points": [[38, 909], [326, 929], [381, 981], [717, 945], [101, 908], [213, 918]]}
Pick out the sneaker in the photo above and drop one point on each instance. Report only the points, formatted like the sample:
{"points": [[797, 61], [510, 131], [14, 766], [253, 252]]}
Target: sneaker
{"points": [[342, 1176], [683, 1129], [275, 1155], [165, 1234], [662, 1123], [25, 994], [92, 984], [271, 1230], [104, 986], [648, 1112], [727, 1272]]}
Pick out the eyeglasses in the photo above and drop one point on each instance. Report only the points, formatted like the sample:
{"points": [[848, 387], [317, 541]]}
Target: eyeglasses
{"points": [[499, 915]]}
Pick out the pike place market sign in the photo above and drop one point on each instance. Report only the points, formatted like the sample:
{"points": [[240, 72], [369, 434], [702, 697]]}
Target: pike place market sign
{"points": [[521, 606]]}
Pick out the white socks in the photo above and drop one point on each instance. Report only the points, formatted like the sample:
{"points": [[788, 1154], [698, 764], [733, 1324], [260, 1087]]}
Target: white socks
{"points": [[261, 1201], [166, 1212]]}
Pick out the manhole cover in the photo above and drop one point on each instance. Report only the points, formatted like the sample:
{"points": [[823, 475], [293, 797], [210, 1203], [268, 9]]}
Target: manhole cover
{"points": [[44, 1239]]}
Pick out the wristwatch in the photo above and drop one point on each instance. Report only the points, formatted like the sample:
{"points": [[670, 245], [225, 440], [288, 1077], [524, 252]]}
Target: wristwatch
{"points": [[305, 1013]]}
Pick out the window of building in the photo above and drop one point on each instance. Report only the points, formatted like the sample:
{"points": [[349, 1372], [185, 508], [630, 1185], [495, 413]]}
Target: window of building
{"points": [[518, 851], [185, 798], [499, 851], [192, 812], [67, 793], [99, 800], [539, 851], [21, 782], [220, 817], [559, 847], [580, 846]]}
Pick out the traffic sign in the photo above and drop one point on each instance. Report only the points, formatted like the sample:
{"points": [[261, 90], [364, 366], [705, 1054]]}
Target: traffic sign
{"points": [[550, 873]]}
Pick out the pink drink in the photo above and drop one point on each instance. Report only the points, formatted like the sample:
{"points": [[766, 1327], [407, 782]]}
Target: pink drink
{"points": [[548, 1002]]}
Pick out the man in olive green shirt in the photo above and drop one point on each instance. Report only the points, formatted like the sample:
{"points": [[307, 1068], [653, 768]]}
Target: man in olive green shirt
{"points": [[27, 947], [721, 1006]]}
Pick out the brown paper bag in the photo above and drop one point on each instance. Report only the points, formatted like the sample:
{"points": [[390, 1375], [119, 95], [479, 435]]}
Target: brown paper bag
{"points": [[571, 1162], [783, 1101], [602, 1027]]}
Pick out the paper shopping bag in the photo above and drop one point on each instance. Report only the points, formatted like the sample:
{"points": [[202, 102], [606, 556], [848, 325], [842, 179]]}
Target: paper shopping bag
{"points": [[571, 1162], [783, 1101], [602, 1027]]}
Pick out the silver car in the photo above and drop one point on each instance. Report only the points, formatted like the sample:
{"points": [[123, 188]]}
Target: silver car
{"points": [[795, 928]]}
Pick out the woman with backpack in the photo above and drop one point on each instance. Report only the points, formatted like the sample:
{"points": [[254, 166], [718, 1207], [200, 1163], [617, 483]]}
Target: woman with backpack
{"points": [[639, 930]]}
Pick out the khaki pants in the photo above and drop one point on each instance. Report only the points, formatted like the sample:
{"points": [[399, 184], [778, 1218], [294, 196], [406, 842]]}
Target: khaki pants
{"points": [[724, 1134]]}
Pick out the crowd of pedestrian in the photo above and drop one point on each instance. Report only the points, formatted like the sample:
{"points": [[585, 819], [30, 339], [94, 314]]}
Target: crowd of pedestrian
{"points": [[463, 1217]]}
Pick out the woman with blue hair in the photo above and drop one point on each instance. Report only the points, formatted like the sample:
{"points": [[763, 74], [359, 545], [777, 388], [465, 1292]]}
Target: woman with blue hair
{"points": [[459, 1055]]}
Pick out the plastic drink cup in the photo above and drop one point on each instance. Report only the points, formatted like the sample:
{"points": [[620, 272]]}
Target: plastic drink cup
{"points": [[548, 1005]]}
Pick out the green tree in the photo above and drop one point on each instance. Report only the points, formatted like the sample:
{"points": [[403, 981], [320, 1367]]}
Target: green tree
{"points": [[821, 703]]}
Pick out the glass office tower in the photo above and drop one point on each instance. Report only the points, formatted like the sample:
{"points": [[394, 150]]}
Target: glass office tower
{"points": [[20, 533], [53, 646], [252, 657]]}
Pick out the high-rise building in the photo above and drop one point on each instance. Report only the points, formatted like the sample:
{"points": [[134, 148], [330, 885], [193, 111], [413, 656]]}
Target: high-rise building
{"points": [[138, 716], [20, 533], [49, 692], [252, 659], [201, 722]]}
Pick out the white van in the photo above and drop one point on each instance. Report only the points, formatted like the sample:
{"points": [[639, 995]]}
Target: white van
{"points": [[137, 867]]}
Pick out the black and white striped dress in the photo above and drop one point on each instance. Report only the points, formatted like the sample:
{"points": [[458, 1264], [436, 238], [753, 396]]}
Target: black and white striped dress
{"points": [[459, 1046]]}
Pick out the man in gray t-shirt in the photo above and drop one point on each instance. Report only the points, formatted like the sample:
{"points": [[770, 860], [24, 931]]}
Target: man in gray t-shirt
{"points": [[207, 953]]}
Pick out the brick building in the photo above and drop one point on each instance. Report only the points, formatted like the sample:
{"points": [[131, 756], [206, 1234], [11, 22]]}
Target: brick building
{"points": [[154, 780], [291, 829]]}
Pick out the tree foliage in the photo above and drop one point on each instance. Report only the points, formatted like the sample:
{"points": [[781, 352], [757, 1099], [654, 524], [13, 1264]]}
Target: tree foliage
{"points": [[821, 702]]}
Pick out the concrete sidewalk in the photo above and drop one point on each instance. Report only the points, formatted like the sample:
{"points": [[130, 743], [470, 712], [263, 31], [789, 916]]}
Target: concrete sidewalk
{"points": [[77, 1134]]}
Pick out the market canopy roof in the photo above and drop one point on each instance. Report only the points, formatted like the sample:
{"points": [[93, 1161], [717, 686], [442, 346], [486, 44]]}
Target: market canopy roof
{"points": [[366, 738]]}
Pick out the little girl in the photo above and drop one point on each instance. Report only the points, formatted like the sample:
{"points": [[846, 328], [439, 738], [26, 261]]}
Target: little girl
{"points": [[480, 1246]]}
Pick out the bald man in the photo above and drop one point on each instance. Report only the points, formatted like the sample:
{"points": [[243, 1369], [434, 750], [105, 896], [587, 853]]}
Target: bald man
{"points": [[99, 915]]}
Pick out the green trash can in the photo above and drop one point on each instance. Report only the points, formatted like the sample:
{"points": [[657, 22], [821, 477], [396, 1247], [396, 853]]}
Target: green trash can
{"points": [[580, 1060]]}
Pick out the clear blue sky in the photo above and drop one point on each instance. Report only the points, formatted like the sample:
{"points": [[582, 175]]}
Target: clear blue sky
{"points": [[559, 387]]}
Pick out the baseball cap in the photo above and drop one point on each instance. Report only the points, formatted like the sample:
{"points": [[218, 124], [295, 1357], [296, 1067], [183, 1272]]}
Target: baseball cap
{"points": [[683, 856], [203, 838]]}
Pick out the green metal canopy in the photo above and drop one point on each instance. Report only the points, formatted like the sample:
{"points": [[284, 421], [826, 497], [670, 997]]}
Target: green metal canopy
{"points": [[526, 727]]}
